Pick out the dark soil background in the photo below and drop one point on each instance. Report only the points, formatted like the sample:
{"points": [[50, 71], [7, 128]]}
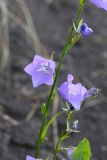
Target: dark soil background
{"points": [[87, 61]]}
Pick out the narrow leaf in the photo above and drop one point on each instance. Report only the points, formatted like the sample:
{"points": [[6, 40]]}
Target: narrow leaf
{"points": [[74, 26], [48, 125]]}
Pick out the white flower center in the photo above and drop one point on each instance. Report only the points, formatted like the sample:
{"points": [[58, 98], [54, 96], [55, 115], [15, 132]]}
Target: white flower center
{"points": [[46, 68]]}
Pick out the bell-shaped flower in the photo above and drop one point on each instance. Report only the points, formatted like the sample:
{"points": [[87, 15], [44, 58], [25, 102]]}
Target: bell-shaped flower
{"points": [[100, 3], [75, 94], [31, 158], [41, 70], [84, 30]]}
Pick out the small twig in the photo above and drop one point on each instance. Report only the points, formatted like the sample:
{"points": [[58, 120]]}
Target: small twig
{"points": [[8, 118], [4, 34], [31, 112], [29, 22], [28, 27]]}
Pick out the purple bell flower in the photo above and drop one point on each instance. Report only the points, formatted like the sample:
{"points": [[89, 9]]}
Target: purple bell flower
{"points": [[70, 153], [84, 30], [100, 3], [75, 94], [31, 158], [41, 70]]}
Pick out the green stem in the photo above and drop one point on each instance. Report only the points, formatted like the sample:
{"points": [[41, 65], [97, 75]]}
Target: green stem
{"points": [[37, 152], [64, 135], [56, 149], [62, 58]]}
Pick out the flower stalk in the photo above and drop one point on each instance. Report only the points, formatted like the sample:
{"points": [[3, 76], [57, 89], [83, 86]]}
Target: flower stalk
{"points": [[69, 40]]}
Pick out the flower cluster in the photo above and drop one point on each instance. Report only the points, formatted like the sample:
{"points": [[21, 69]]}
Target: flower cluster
{"points": [[43, 71]]}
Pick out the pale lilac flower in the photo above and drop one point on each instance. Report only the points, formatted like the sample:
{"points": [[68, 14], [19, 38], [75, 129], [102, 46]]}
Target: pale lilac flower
{"points": [[75, 94], [70, 153], [41, 70], [75, 124], [100, 3], [31, 158], [84, 30]]}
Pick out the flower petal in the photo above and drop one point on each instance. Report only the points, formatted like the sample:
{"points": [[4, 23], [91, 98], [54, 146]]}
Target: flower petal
{"points": [[70, 78], [30, 158], [100, 3], [63, 90], [30, 69], [49, 79], [38, 59], [70, 153]]}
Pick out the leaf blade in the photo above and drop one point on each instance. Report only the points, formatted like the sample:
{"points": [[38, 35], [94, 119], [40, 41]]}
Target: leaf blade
{"points": [[48, 125], [83, 151]]}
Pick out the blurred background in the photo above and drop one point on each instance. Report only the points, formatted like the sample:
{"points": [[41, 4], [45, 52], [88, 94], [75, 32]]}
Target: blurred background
{"points": [[29, 27]]}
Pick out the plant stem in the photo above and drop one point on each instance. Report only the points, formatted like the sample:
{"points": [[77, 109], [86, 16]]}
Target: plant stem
{"points": [[56, 148], [37, 152], [62, 58]]}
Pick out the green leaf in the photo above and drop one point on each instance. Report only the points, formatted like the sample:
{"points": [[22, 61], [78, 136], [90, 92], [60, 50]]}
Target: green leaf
{"points": [[48, 125], [82, 152]]}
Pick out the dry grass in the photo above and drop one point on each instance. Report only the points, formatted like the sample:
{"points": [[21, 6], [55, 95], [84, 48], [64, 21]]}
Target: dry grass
{"points": [[4, 35], [27, 26]]}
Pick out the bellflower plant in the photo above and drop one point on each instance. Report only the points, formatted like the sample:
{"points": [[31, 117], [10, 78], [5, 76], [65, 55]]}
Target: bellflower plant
{"points": [[100, 3], [41, 70], [75, 94], [44, 71]]}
